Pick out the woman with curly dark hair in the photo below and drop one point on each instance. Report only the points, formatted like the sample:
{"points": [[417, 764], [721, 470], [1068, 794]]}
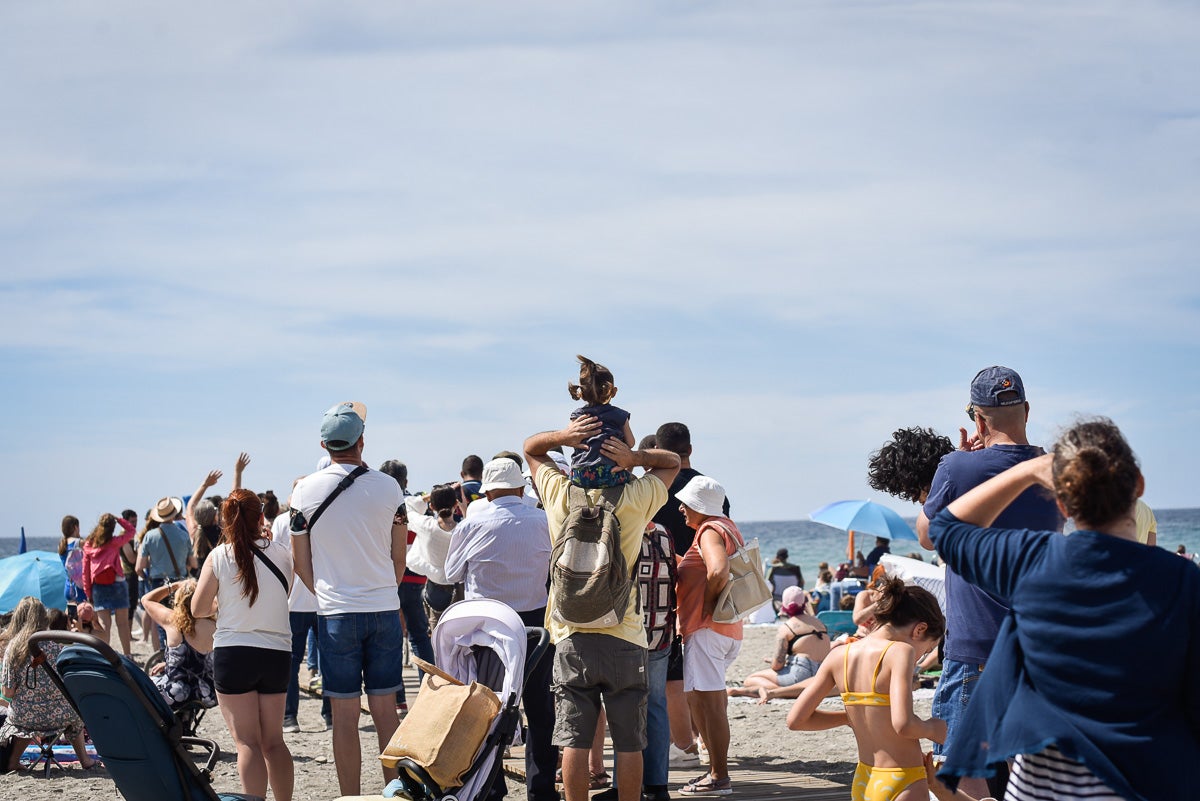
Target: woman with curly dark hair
{"points": [[248, 577]]}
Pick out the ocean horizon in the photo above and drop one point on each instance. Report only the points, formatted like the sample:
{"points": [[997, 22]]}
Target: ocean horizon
{"points": [[810, 543]]}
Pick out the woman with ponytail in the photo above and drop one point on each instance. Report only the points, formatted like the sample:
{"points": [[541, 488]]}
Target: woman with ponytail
{"points": [[1091, 685], [245, 582], [427, 555], [875, 677]]}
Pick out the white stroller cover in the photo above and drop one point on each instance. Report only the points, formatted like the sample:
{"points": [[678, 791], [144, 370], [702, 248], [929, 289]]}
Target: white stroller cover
{"points": [[487, 623]]}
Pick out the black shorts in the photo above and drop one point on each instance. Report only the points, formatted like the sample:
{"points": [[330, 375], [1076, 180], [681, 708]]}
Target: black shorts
{"points": [[240, 669], [675, 661]]}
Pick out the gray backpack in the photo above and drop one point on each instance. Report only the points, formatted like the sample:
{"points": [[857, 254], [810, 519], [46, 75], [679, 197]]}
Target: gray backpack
{"points": [[589, 580]]}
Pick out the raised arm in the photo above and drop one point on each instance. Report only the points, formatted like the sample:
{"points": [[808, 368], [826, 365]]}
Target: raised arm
{"points": [[238, 468], [981, 505], [189, 515], [152, 602], [573, 436], [663, 465]]}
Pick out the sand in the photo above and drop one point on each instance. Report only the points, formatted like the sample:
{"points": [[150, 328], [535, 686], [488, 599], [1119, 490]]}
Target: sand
{"points": [[760, 740]]}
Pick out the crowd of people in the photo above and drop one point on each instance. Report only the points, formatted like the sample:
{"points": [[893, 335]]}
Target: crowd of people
{"points": [[239, 590]]}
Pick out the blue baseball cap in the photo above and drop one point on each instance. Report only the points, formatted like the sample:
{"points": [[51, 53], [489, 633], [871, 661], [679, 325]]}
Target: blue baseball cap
{"points": [[342, 425], [997, 386]]}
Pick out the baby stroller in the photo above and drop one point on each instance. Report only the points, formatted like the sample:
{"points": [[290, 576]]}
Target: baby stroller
{"points": [[485, 641], [136, 734]]}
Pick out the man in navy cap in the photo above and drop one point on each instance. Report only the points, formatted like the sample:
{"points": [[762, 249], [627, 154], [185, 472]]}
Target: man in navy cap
{"points": [[1000, 412]]}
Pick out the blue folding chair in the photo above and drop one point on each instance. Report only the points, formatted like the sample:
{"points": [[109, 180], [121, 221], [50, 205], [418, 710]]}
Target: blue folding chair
{"points": [[136, 734], [837, 623]]}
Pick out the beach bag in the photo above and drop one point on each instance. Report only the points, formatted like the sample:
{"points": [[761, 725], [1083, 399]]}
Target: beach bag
{"points": [[445, 727], [747, 590], [589, 580]]}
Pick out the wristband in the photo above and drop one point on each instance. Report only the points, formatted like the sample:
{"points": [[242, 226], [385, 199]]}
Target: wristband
{"points": [[5, 698]]}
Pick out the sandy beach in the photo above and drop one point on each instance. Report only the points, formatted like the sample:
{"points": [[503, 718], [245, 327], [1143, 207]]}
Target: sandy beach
{"points": [[760, 742]]}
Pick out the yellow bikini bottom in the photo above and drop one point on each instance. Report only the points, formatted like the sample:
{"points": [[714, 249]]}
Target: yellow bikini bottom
{"points": [[882, 784]]}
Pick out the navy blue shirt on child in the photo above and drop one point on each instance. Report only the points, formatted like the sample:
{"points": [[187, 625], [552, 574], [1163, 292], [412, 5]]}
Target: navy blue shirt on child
{"points": [[590, 468]]}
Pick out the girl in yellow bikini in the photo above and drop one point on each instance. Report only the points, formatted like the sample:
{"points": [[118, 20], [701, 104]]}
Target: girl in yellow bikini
{"points": [[890, 760]]}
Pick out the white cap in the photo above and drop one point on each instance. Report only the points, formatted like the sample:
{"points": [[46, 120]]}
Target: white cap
{"points": [[500, 474], [704, 495]]}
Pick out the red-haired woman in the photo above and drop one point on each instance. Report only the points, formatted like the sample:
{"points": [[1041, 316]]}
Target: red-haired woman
{"points": [[248, 578]]}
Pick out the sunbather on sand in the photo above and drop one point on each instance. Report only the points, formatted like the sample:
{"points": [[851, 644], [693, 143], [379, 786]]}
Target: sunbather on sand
{"points": [[801, 643]]}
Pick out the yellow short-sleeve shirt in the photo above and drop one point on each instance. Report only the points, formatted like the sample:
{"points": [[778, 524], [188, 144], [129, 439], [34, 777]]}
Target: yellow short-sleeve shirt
{"points": [[1145, 521], [640, 499]]}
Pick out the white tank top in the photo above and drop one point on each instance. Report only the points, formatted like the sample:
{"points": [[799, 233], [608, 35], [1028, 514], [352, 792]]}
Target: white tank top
{"points": [[264, 624]]}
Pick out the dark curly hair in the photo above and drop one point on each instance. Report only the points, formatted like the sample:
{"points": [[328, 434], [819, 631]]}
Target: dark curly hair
{"points": [[905, 464]]}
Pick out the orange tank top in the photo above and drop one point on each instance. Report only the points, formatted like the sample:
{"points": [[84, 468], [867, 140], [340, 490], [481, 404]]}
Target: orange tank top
{"points": [[691, 578]]}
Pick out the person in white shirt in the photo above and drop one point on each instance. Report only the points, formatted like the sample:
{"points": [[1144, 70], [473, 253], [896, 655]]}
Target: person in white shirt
{"points": [[352, 556], [245, 581]]}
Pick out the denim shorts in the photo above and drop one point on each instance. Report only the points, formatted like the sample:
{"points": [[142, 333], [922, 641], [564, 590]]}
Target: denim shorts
{"points": [[361, 650], [798, 668], [111, 596], [953, 693]]}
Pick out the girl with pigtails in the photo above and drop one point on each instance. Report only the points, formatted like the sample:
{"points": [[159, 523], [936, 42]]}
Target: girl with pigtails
{"points": [[245, 582]]}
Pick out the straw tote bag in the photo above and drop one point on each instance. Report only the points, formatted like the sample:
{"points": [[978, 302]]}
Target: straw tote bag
{"points": [[445, 727], [747, 590]]}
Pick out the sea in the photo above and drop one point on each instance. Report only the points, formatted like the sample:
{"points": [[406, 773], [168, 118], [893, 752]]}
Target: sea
{"points": [[810, 543]]}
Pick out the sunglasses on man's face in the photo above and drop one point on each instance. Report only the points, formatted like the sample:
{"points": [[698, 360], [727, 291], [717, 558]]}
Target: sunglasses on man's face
{"points": [[971, 412]]}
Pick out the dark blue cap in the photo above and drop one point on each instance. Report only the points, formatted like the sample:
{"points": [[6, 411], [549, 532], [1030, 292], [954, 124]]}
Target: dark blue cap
{"points": [[994, 386]]}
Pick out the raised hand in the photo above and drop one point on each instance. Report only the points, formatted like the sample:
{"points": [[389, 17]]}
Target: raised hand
{"points": [[212, 478], [971, 443]]}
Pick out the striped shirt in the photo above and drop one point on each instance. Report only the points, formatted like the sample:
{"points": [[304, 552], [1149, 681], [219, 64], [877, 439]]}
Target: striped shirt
{"points": [[1050, 775]]}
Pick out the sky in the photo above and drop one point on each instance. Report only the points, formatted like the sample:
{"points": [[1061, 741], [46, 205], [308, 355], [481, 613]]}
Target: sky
{"points": [[795, 226]]}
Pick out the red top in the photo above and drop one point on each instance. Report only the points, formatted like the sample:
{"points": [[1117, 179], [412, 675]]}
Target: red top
{"points": [[107, 555]]}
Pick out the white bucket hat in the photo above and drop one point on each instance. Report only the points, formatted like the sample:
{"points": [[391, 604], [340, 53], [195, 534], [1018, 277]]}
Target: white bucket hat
{"points": [[704, 495], [501, 474]]}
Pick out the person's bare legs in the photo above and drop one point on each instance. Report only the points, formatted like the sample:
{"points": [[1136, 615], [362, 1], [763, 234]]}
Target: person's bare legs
{"points": [[575, 773], [122, 618], [767, 679], [347, 751], [710, 713], [596, 755], [679, 716], [629, 775], [281, 772], [103, 624], [80, 746], [386, 720], [242, 717]]}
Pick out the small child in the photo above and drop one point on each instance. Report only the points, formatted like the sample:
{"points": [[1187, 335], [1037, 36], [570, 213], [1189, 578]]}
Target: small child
{"points": [[890, 760], [590, 468]]}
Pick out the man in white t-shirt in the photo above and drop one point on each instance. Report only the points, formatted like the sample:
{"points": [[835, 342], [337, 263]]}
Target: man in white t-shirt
{"points": [[351, 553]]}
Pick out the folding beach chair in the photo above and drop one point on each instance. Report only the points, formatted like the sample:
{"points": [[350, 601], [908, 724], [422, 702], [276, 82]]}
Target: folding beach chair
{"points": [[138, 737], [45, 742], [838, 622]]}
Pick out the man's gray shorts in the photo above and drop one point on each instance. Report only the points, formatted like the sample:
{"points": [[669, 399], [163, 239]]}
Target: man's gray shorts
{"points": [[588, 667]]}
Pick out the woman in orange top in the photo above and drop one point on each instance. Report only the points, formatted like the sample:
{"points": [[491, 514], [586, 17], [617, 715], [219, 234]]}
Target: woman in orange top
{"points": [[709, 648]]}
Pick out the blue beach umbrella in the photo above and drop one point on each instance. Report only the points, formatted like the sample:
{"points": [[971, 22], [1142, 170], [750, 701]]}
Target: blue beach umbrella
{"points": [[863, 516], [37, 573]]}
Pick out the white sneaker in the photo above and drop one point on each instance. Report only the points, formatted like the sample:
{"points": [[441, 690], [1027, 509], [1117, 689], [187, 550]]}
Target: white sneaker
{"points": [[681, 758], [290, 726]]}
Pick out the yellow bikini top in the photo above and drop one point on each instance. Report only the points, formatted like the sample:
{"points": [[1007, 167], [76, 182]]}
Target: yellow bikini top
{"points": [[864, 699]]}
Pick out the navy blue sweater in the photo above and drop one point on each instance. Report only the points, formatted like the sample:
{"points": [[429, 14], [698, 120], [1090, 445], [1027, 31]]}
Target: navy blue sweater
{"points": [[1100, 656]]}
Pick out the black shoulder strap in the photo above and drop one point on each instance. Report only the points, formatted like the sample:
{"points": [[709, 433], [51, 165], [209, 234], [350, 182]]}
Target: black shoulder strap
{"points": [[273, 568], [342, 486]]}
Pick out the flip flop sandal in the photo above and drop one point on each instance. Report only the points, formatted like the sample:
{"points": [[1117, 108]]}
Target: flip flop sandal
{"points": [[599, 781], [708, 786]]}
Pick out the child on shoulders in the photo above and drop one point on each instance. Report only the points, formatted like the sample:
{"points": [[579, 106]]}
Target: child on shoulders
{"points": [[591, 469]]}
